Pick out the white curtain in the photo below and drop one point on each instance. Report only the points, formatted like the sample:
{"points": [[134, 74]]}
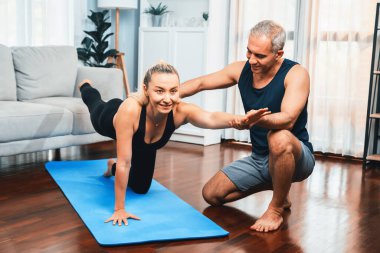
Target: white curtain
{"points": [[41, 22], [244, 14], [336, 49], [333, 40]]}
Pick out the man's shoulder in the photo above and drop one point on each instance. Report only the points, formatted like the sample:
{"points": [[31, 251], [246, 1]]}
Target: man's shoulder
{"points": [[227, 76], [235, 67], [297, 74], [298, 69]]}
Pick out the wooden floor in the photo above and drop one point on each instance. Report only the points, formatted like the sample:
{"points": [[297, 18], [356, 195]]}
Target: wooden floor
{"points": [[336, 210]]}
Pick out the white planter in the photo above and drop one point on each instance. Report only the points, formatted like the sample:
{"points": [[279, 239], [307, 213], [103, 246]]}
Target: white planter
{"points": [[156, 20]]}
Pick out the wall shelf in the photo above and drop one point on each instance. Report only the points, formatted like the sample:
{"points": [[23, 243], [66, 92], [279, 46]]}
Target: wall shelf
{"points": [[373, 110]]}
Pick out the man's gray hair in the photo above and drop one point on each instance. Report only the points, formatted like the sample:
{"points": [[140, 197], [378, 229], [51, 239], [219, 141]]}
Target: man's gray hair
{"points": [[271, 30]]}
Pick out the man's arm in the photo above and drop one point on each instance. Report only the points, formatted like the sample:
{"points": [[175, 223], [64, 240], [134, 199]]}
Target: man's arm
{"points": [[224, 78], [297, 87]]}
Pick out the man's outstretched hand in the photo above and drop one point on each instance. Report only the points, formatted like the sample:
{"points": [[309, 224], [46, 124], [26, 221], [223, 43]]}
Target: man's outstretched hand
{"points": [[250, 119], [120, 216]]}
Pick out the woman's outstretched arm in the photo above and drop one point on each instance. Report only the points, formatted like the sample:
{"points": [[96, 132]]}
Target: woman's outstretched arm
{"points": [[216, 120]]}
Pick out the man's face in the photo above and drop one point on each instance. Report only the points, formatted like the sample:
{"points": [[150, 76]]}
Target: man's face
{"points": [[260, 55]]}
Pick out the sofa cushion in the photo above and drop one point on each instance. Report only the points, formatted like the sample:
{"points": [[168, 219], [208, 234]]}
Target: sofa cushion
{"points": [[7, 75], [22, 121], [108, 81], [45, 71], [82, 123]]}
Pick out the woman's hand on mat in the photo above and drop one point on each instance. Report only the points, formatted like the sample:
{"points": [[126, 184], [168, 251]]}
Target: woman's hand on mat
{"points": [[120, 216]]}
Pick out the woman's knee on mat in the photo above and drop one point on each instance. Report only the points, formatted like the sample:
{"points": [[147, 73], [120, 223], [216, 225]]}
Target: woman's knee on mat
{"points": [[140, 189]]}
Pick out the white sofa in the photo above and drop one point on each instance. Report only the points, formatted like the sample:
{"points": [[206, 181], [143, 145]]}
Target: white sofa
{"points": [[40, 105]]}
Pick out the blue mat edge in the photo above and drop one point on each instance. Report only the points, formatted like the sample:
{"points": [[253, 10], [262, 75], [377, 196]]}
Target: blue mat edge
{"points": [[226, 233]]}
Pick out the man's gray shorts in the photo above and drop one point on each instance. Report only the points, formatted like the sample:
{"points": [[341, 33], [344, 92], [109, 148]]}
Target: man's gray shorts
{"points": [[252, 171]]}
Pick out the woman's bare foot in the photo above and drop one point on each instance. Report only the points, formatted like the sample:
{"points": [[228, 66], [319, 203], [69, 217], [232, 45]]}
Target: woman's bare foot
{"points": [[83, 82], [270, 220], [108, 172]]}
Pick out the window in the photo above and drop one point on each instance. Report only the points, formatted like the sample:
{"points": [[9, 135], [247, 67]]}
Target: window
{"points": [[37, 22]]}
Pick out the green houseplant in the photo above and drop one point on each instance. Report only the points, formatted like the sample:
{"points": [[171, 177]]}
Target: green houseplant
{"points": [[205, 16], [156, 13], [94, 50]]}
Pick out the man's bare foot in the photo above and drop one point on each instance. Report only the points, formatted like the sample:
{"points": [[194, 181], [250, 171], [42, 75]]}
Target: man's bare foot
{"points": [[287, 203], [108, 172], [269, 221]]}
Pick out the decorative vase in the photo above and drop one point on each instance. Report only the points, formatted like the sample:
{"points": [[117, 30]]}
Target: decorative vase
{"points": [[156, 20]]}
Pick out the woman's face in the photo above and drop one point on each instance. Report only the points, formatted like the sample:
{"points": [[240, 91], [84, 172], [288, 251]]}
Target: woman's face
{"points": [[163, 91]]}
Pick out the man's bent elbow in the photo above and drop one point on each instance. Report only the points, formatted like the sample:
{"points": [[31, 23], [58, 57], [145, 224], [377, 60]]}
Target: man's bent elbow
{"points": [[289, 126]]}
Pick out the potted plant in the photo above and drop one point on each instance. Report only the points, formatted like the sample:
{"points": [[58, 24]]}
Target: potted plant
{"points": [[156, 13], [205, 18], [205, 15], [94, 51]]}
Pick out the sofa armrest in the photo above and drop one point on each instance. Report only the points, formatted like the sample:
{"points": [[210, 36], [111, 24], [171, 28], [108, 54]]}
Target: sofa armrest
{"points": [[108, 81]]}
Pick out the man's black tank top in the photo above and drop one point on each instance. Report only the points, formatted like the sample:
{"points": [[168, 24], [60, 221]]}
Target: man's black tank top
{"points": [[269, 96]]}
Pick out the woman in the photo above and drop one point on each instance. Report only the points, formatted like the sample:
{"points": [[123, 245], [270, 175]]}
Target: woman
{"points": [[144, 123]]}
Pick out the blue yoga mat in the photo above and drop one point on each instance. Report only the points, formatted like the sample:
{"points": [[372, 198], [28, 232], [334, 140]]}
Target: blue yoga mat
{"points": [[164, 216]]}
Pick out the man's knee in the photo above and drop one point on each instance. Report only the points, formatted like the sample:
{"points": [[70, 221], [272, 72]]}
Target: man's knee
{"points": [[280, 142], [210, 196]]}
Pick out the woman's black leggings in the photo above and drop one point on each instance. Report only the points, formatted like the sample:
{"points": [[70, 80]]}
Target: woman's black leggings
{"points": [[101, 114]]}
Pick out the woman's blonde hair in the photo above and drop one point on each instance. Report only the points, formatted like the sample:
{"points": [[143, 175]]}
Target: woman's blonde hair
{"points": [[160, 67]]}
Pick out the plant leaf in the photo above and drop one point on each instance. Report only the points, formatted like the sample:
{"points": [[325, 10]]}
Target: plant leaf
{"points": [[95, 35], [111, 53], [87, 42], [159, 10], [94, 46], [106, 37], [109, 65], [103, 27]]}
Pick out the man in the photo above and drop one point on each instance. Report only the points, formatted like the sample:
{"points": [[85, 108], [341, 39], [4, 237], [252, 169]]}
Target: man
{"points": [[281, 151]]}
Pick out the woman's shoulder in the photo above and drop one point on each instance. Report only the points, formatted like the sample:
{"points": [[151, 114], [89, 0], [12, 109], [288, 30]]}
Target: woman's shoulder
{"points": [[179, 106], [180, 112], [139, 97], [184, 107], [129, 110]]}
